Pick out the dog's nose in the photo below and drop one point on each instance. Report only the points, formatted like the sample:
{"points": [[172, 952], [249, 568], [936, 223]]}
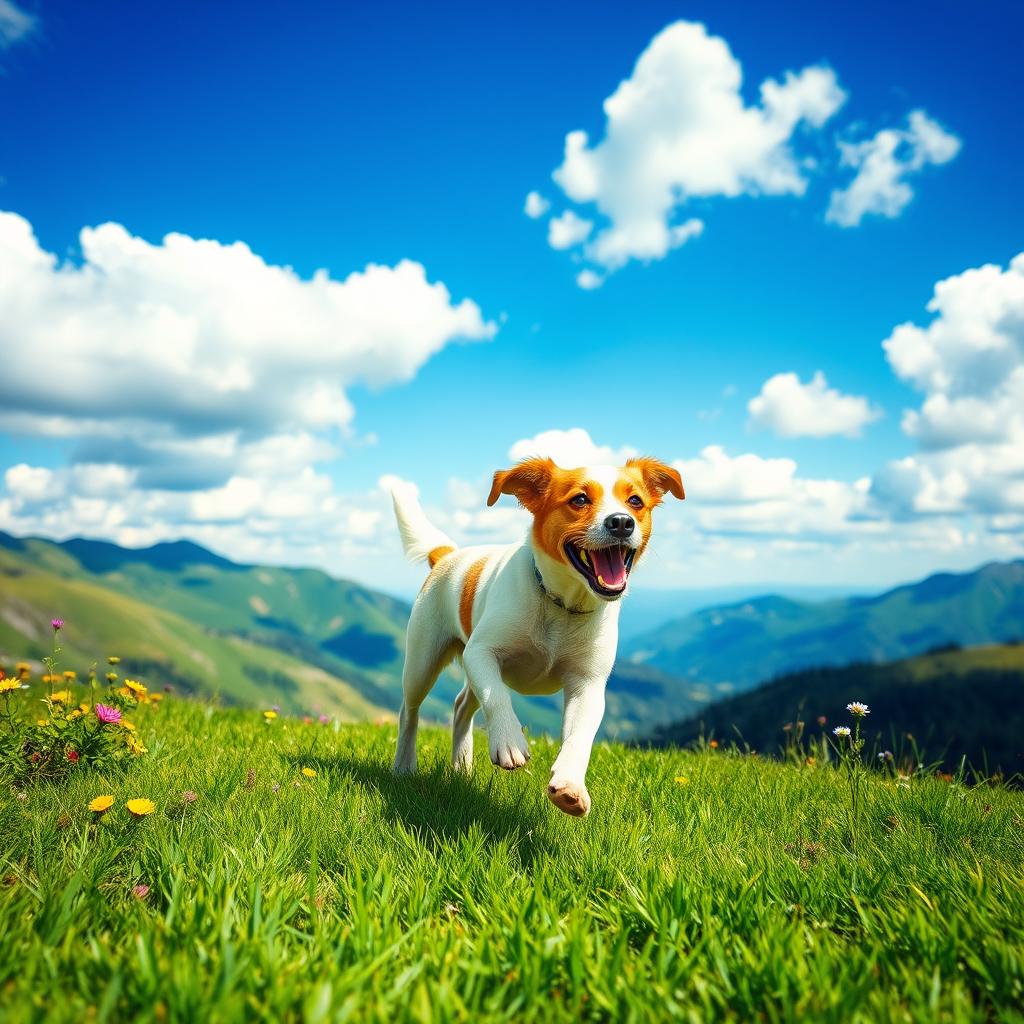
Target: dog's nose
{"points": [[620, 525]]}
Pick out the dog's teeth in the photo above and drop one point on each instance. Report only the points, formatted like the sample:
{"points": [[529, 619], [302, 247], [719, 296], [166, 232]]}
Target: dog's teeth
{"points": [[600, 580], [583, 556]]}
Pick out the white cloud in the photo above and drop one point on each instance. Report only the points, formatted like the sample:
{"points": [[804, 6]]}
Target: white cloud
{"points": [[679, 128], [187, 339], [569, 449], [15, 24], [968, 363], [883, 163], [567, 230], [793, 409], [588, 280], [536, 205]]}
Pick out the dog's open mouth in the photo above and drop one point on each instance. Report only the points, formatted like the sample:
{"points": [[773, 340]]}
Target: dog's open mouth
{"points": [[605, 569]]}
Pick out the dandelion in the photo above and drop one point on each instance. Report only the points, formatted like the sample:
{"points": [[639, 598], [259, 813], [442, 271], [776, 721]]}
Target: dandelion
{"points": [[58, 624], [309, 773], [113, 659], [101, 804], [61, 696], [842, 731], [140, 807], [6, 685], [858, 709], [270, 715], [70, 675], [23, 668], [682, 780], [135, 688], [156, 697], [140, 891], [107, 715]]}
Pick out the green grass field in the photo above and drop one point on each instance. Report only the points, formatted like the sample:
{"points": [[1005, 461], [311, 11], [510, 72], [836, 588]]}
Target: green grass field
{"points": [[355, 895]]}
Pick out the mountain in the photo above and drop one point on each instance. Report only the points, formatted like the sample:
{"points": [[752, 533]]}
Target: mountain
{"points": [[735, 647], [953, 703], [252, 635]]}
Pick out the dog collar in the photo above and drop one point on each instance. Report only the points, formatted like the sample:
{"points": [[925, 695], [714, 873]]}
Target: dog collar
{"points": [[554, 598]]}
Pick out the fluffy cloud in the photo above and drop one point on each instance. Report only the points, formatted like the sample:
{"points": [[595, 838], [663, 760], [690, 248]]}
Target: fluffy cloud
{"points": [[883, 163], [569, 448], [679, 128], [968, 363], [536, 205], [793, 409], [567, 230], [194, 339], [15, 24]]}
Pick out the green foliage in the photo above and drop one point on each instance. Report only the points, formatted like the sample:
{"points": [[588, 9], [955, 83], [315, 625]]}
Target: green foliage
{"points": [[949, 707], [356, 895]]}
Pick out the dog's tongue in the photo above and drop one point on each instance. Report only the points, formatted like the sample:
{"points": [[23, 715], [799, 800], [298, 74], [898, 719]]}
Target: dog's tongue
{"points": [[610, 567]]}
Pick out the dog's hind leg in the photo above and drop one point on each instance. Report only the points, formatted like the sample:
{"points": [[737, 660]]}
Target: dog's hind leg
{"points": [[426, 654], [466, 705]]}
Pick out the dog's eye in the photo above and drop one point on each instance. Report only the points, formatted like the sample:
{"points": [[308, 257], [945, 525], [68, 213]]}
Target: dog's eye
{"points": [[579, 501], [635, 501]]}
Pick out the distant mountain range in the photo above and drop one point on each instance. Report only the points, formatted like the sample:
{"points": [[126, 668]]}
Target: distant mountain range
{"points": [[733, 648], [956, 703]]}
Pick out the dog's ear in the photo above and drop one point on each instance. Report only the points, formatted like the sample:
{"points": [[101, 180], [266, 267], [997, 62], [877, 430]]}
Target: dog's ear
{"points": [[528, 481], [658, 477]]}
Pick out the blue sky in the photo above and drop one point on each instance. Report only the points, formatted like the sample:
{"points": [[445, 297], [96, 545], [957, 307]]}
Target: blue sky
{"points": [[336, 138]]}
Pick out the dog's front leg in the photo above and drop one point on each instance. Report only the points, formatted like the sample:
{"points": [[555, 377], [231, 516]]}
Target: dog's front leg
{"points": [[504, 732], [584, 709]]}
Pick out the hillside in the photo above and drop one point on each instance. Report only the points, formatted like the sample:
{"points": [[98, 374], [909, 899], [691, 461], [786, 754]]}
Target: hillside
{"points": [[953, 703], [355, 895], [735, 647], [254, 635]]}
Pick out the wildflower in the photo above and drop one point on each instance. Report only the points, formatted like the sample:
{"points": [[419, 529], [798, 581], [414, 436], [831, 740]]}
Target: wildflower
{"points": [[713, 744], [270, 715], [822, 720], [156, 697], [23, 796], [58, 624], [111, 677], [682, 780], [309, 773], [135, 688], [857, 709], [73, 756], [134, 746], [70, 675], [6, 685], [885, 755], [842, 731], [188, 797], [125, 724], [323, 719], [23, 668], [141, 891], [810, 762], [61, 696], [107, 714], [113, 659], [140, 807], [101, 804], [275, 708], [276, 787]]}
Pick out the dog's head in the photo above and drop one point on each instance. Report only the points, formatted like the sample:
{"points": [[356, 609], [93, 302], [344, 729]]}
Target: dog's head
{"points": [[594, 522]]}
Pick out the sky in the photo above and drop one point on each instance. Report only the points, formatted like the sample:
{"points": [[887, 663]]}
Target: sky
{"points": [[257, 264]]}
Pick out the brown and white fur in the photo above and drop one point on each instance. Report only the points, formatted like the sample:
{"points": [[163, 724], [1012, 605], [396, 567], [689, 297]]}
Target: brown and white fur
{"points": [[486, 606]]}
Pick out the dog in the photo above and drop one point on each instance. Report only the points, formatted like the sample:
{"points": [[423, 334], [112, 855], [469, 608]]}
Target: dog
{"points": [[537, 617]]}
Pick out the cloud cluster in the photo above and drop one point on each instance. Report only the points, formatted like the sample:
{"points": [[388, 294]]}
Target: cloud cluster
{"points": [[15, 24], [883, 163], [968, 364], [791, 408], [679, 128]]}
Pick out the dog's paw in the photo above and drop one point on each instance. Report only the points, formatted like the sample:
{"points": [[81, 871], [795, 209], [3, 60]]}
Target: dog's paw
{"points": [[571, 797], [510, 751]]}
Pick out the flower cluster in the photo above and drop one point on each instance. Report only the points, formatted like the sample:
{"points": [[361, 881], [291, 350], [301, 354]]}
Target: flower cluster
{"points": [[62, 725]]}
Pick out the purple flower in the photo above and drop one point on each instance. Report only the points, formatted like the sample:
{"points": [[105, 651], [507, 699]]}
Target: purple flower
{"points": [[107, 714], [57, 624], [324, 719], [275, 707]]}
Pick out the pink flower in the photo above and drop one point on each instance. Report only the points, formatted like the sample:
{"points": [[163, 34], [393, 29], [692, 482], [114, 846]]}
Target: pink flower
{"points": [[324, 719], [57, 624], [140, 892], [107, 714]]}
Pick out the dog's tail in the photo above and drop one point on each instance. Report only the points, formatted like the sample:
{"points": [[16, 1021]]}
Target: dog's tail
{"points": [[420, 538]]}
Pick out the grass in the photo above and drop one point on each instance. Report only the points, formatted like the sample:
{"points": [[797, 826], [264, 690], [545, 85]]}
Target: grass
{"points": [[360, 896]]}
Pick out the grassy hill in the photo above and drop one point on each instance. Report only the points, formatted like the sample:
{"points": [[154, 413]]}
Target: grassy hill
{"points": [[356, 895], [953, 703], [730, 649]]}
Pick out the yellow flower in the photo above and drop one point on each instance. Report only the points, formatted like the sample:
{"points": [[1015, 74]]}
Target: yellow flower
{"points": [[309, 773], [61, 696], [270, 715], [156, 697], [135, 688], [113, 659], [84, 706], [6, 685], [682, 780], [140, 807], [47, 678], [70, 675], [134, 745], [23, 668], [102, 804], [77, 713], [125, 724]]}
